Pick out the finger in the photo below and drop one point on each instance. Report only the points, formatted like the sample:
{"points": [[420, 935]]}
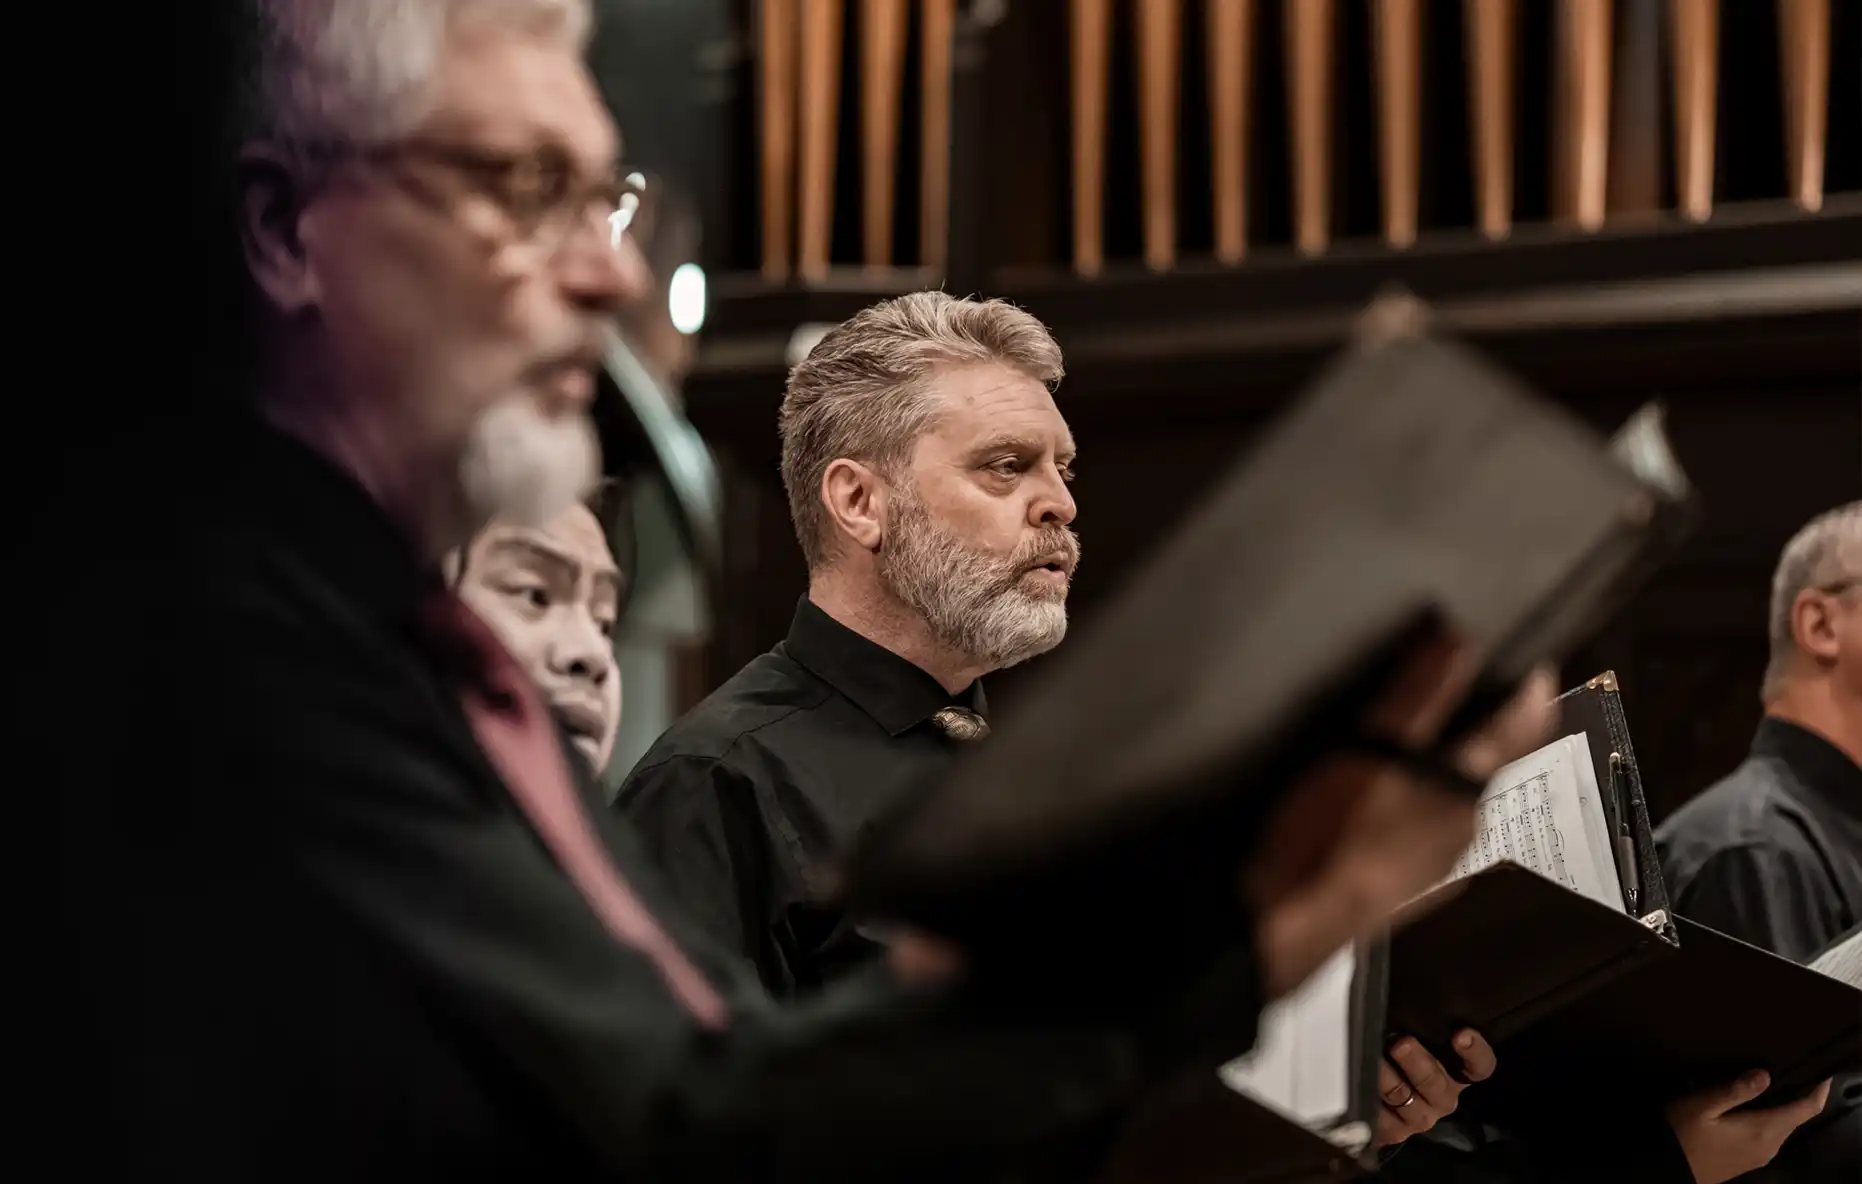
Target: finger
{"points": [[1391, 1130], [1428, 686], [1718, 1101], [1391, 1087], [1432, 1082], [1518, 728], [1477, 1056], [918, 959], [1795, 1114]]}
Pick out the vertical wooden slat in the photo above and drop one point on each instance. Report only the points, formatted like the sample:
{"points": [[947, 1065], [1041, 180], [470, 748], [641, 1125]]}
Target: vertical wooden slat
{"points": [[1489, 35], [1091, 46], [1804, 46], [776, 94], [1581, 130], [882, 57], [1694, 32], [1634, 169], [820, 67], [1159, 38], [938, 27], [1398, 33], [1231, 60], [1309, 29]]}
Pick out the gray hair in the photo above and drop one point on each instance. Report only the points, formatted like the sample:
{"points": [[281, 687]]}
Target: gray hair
{"points": [[1827, 551], [864, 392], [359, 72]]}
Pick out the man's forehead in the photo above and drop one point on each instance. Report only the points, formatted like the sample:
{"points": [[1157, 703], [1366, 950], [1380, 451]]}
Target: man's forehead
{"points": [[519, 91], [574, 537], [981, 403]]}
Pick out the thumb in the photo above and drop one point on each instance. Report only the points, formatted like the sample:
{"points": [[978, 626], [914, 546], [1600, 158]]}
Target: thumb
{"points": [[1737, 1094]]}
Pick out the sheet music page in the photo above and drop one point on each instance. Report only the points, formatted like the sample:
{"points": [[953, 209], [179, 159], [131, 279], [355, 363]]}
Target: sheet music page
{"points": [[1843, 961], [1300, 1066], [1544, 813]]}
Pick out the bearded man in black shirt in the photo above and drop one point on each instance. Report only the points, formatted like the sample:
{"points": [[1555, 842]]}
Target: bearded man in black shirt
{"points": [[927, 468]]}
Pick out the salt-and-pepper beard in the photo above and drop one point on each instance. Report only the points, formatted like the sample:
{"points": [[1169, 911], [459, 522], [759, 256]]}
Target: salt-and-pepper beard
{"points": [[977, 604], [523, 467]]}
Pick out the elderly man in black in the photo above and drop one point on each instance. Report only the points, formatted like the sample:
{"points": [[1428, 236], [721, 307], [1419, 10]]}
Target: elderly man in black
{"points": [[1772, 854], [349, 912]]}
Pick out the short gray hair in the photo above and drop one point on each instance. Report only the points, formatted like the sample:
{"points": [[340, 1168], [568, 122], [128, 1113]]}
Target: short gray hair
{"points": [[359, 72], [863, 393], [1825, 552]]}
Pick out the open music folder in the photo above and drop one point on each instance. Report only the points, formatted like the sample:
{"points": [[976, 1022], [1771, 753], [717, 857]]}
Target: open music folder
{"points": [[1554, 938]]}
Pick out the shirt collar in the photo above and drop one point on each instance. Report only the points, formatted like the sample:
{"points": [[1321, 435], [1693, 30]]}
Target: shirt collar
{"points": [[897, 694], [1820, 766]]}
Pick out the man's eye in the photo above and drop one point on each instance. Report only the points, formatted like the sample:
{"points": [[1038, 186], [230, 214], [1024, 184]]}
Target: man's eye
{"points": [[533, 595], [1066, 473], [1006, 467], [605, 625]]}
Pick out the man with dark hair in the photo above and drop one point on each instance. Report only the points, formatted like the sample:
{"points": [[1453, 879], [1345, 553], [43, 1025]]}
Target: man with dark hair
{"points": [[554, 595]]}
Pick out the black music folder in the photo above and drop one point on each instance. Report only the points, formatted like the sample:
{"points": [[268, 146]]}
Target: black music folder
{"points": [[1559, 945], [1415, 486]]}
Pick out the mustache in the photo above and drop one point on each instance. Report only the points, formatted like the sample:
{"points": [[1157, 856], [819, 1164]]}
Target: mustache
{"points": [[1054, 543], [588, 349]]}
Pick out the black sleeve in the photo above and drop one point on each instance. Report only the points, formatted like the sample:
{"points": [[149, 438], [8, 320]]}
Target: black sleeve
{"points": [[697, 820], [351, 803], [1765, 893]]}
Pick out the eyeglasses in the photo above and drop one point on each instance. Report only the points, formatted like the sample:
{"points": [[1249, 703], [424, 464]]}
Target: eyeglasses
{"points": [[541, 195]]}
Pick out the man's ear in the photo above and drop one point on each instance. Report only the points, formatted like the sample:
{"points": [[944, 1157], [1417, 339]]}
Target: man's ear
{"points": [[271, 210], [855, 498], [1813, 626]]}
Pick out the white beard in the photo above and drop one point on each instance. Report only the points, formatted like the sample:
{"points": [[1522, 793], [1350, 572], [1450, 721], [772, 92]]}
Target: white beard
{"points": [[524, 468]]}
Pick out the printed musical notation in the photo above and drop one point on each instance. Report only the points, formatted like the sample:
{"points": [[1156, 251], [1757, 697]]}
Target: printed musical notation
{"points": [[1543, 812], [1519, 824]]}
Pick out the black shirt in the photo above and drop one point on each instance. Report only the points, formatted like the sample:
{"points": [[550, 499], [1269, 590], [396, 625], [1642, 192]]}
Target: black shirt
{"points": [[747, 800], [1772, 855], [316, 939]]}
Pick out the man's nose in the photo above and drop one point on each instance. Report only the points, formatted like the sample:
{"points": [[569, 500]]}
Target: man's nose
{"points": [[602, 276], [582, 651], [1053, 505]]}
